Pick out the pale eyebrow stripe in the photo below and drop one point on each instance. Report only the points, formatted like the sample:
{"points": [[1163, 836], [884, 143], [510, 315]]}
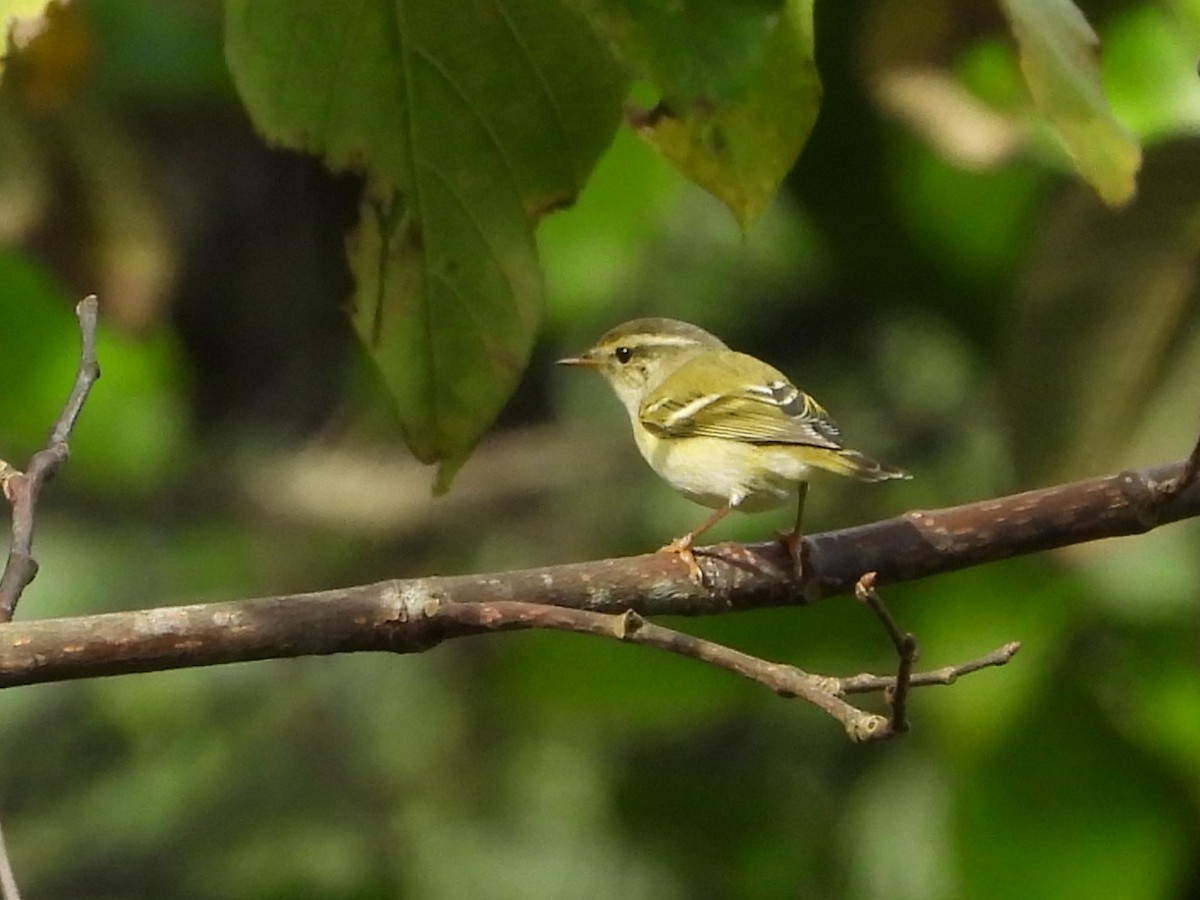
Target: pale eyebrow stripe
{"points": [[667, 340]]}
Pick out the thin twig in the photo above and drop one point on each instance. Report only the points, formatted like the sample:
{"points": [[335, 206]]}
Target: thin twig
{"points": [[867, 683], [22, 488], [906, 651], [864, 590], [789, 681], [785, 680], [88, 373], [897, 697]]}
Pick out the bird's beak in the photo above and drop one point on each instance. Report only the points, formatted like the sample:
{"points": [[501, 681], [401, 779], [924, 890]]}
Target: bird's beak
{"points": [[583, 359]]}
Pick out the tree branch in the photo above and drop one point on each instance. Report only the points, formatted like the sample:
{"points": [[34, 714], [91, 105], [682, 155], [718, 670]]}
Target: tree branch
{"points": [[407, 616], [608, 598]]}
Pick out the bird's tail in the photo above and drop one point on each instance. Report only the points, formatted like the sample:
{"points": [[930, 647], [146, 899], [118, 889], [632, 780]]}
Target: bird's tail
{"points": [[854, 464]]}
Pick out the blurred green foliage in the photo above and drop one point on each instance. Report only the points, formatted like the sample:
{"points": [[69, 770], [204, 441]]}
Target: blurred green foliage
{"points": [[964, 308]]}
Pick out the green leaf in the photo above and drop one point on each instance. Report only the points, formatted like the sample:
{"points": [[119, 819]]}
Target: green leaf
{"points": [[1058, 59], [692, 51], [470, 124], [740, 147]]}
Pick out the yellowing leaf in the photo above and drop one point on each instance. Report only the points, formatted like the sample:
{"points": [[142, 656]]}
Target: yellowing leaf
{"points": [[1057, 49], [53, 44], [741, 147], [22, 21]]}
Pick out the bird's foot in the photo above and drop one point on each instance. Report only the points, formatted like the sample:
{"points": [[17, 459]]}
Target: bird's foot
{"points": [[682, 547], [737, 555], [793, 544]]}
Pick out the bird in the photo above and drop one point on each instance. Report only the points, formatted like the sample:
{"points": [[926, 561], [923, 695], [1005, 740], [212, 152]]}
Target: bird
{"points": [[723, 428]]}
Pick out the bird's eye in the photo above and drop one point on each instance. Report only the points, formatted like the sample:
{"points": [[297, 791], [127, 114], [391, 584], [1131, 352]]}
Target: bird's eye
{"points": [[623, 354]]}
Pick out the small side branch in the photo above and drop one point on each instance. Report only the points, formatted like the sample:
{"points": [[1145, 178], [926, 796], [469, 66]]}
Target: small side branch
{"points": [[865, 683], [825, 693], [21, 489], [906, 651]]}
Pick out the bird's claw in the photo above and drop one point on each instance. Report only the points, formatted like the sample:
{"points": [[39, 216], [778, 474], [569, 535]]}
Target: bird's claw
{"points": [[682, 547], [793, 544]]}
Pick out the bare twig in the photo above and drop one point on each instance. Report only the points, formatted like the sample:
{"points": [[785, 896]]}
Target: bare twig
{"points": [[864, 683], [789, 681], [785, 680], [864, 590], [906, 652], [22, 488]]}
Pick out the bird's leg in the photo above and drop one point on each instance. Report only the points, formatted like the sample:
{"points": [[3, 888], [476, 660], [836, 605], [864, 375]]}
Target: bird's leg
{"points": [[793, 541], [682, 546]]}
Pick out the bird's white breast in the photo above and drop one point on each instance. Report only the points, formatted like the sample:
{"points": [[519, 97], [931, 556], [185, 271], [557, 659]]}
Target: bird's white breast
{"points": [[717, 471]]}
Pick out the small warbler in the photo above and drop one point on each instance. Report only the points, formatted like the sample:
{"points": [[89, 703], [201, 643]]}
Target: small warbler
{"points": [[721, 427]]}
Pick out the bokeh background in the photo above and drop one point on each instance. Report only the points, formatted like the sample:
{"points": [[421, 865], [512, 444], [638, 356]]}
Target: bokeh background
{"points": [[932, 272]]}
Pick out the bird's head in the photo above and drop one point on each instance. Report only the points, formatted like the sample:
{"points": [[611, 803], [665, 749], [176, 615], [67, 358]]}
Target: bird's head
{"points": [[638, 356]]}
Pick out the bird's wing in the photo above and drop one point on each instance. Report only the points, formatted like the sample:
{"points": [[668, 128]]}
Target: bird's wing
{"points": [[735, 396]]}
